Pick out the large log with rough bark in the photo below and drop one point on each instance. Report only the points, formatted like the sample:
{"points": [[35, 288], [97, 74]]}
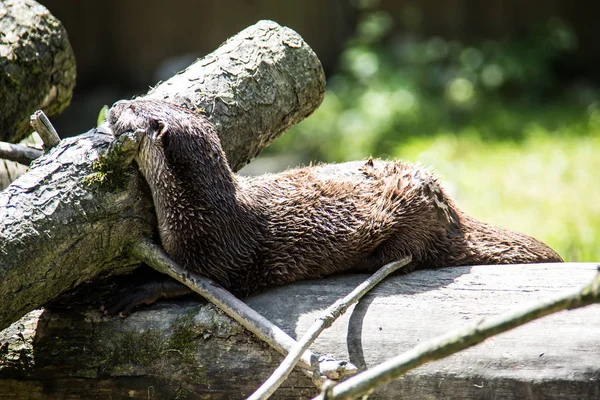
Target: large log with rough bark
{"points": [[176, 348], [37, 71], [72, 217], [37, 66]]}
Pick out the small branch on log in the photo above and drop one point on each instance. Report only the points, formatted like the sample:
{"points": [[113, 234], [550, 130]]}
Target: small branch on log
{"points": [[456, 341], [151, 254], [329, 316], [42, 125], [19, 153]]}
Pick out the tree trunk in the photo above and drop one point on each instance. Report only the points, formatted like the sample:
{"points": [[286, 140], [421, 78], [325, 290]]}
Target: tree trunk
{"points": [[37, 66], [171, 349], [71, 218]]}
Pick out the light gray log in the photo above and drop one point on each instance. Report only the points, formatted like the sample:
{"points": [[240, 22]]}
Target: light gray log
{"points": [[553, 358], [70, 218]]}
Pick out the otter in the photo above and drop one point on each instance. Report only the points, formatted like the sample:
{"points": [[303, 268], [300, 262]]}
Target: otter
{"points": [[251, 233]]}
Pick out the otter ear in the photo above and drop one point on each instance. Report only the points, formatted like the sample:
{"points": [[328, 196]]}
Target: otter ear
{"points": [[160, 130]]}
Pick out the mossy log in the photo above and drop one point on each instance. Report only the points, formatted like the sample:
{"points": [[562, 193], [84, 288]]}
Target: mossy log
{"points": [[189, 347], [70, 219]]}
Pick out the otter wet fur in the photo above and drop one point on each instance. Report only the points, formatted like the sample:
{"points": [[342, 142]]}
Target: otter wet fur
{"points": [[251, 233]]}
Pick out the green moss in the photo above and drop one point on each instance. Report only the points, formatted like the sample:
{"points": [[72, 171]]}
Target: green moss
{"points": [[134, 349], [110, 172], [183, 341]]}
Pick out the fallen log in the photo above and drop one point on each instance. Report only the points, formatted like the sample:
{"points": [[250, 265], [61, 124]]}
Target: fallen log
{"points": [[175, 348]]}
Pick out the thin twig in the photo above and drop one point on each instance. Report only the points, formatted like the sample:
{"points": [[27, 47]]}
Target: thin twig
{"points": [[19, 153], [329, 316], [453, 342], [42, 125], [151, 254]]}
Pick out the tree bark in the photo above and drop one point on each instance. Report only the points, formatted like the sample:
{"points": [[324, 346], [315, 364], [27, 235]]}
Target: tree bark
{"points": [[70, 219], [171, 349], [37, 66]]}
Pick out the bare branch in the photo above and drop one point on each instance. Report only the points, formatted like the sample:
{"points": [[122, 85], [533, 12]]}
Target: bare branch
{"points": [[19, 153], [151, 254], [42, 125], [455, 341], [329, 316]]}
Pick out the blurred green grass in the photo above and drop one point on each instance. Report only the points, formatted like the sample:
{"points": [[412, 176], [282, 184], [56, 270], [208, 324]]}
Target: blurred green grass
{"points": [[514, 145]]}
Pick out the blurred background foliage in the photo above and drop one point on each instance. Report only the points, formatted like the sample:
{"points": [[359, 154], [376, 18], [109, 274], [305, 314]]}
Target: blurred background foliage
{"points": [[513, 145]]}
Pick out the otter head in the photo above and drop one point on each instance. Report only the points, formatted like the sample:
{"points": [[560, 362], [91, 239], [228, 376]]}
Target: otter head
{"points": [[172, 140], [147, 125]]}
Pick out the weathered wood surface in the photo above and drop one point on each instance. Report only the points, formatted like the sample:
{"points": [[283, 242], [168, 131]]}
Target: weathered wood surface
{"points": [[72, 217], [80, 355]]}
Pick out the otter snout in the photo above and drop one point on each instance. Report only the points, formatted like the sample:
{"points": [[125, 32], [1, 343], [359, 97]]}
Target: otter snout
{"points": [[126, 126], [125, 120], [122, 118]]}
